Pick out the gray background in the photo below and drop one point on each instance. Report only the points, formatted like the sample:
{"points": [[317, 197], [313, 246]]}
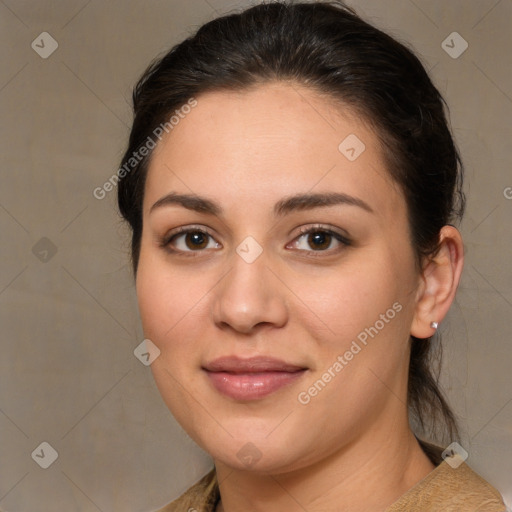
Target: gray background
{"points": [[69, 319]]}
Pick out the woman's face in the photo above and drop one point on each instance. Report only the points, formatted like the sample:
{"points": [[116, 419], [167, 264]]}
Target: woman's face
{"points": [[277, 278]]}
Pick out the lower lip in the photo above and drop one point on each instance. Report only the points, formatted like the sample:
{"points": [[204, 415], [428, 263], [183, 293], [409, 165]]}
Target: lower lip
{"points": [[251, 386]]}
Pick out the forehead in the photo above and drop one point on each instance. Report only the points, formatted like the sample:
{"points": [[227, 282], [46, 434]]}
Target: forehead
{"points": [[272, 140]]}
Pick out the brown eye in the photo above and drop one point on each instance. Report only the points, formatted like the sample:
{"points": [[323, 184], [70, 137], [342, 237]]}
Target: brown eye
{"points": [[190, 240], [196, 240], [319, 240]]}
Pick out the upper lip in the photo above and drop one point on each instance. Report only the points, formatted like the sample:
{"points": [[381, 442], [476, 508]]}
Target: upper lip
{"points": [[257, 364]]}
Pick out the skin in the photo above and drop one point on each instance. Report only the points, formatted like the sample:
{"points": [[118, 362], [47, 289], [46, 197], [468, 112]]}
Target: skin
{"points": [[350, 447]]}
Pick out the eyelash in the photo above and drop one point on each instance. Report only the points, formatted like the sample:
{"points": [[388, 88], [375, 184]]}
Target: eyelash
{"points": [[343, 240], [165, 242]]}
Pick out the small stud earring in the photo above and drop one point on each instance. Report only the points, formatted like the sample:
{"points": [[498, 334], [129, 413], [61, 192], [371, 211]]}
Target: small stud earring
{"points": [[434, 325]]}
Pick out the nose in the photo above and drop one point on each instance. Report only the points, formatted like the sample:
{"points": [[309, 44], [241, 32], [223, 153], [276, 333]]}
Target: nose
{"points": [[250, 297]]}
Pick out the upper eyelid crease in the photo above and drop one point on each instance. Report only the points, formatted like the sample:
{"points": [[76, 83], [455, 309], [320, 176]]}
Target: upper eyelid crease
{"points": [[183, 230], [284, 206]]}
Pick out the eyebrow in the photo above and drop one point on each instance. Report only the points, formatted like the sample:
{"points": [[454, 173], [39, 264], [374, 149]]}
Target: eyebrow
{"points": [[287, 205]]}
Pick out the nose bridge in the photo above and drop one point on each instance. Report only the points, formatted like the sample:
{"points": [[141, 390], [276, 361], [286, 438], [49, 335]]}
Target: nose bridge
{"points": [[249, 294]]}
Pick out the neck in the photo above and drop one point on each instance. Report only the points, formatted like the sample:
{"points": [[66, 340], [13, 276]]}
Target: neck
{"points": [[368, 475]]}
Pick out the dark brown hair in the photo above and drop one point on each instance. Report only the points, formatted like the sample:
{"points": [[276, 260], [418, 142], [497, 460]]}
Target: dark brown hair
{"points": [[327, 47]]}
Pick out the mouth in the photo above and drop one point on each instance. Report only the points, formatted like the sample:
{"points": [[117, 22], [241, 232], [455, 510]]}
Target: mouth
{"points": [[253, 378]]}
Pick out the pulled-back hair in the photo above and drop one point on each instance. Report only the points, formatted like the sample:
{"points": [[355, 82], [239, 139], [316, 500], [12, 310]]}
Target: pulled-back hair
{"points": [[324, 46]]}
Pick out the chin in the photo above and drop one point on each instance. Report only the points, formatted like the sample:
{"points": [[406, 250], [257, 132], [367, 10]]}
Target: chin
{"points": [[251, 448]]}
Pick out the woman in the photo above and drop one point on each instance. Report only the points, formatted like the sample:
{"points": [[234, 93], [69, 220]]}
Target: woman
{"points": [[290, 183]]}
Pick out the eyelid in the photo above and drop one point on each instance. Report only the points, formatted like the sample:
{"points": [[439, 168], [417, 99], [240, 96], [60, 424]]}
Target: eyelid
{"points": [[167, 238], [312, 228], [343, 239]]}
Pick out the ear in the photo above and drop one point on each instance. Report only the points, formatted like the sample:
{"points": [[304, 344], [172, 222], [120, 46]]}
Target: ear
{"points": [[439, 281]]}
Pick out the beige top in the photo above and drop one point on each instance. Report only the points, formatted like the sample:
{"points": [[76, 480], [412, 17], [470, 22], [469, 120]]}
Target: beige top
{"points": [[445, 489]]}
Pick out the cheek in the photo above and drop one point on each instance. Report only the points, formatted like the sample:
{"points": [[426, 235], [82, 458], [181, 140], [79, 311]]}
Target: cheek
{"points": [[174, 311], [164, 299], [350, 298], [169, 307], [153, 298]]}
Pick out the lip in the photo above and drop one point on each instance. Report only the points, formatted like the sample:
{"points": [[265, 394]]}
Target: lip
{"points": [[253, 378]]}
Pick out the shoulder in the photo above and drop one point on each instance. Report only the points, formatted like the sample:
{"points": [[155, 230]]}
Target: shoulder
{"points": [[201, 497], [450, 488]]}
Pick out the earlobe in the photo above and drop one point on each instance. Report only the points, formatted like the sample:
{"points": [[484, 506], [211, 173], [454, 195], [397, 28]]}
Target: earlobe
{"points": [[440, 278]]}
